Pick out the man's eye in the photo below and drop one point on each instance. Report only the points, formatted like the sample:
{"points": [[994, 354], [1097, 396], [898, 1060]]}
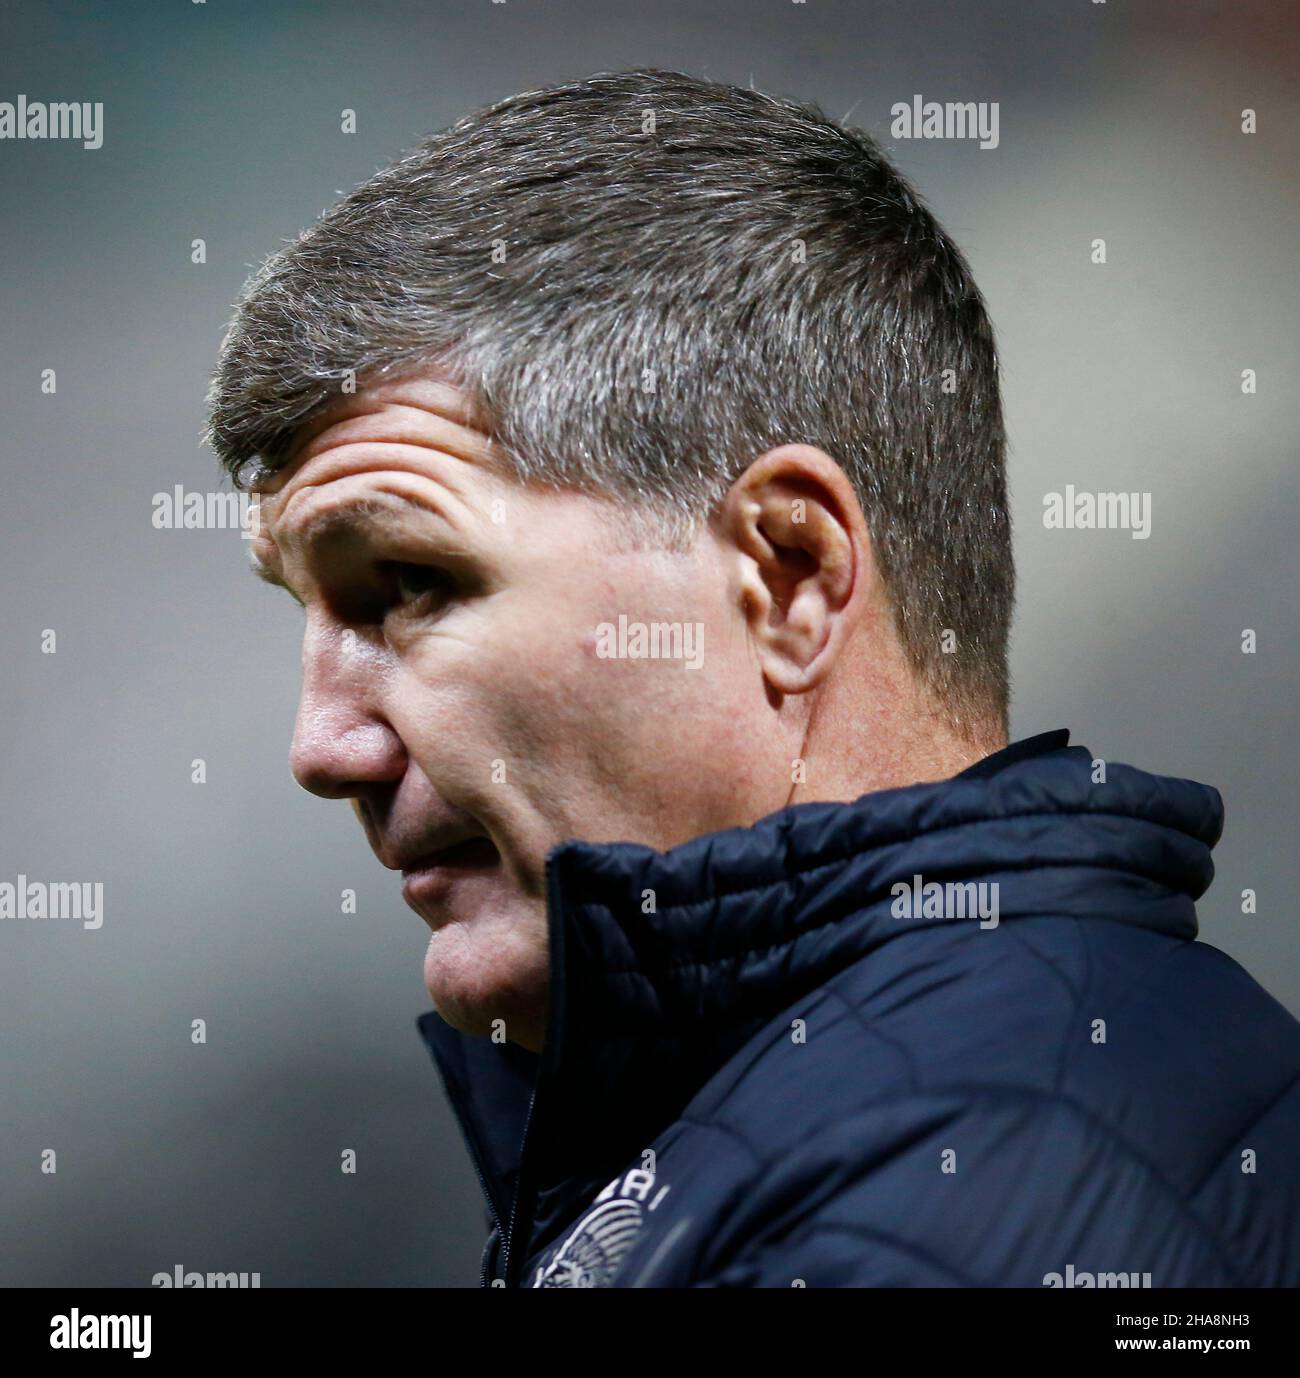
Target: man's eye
{"points": [[411, 582]]}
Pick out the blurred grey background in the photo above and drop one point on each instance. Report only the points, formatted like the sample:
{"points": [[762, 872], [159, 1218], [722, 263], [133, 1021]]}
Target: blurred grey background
{"points": [[222, 122]]}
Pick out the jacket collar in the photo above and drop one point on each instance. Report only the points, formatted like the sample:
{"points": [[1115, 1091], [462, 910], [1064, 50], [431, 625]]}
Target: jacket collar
{"points": [[646, 1006]]}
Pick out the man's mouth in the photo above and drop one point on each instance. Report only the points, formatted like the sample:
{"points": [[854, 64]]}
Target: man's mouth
{"points": [[428, 879]]}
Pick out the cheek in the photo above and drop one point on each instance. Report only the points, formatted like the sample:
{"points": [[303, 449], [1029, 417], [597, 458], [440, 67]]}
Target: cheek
{"points": [[506, 697], [538, 711], [593, 675]]}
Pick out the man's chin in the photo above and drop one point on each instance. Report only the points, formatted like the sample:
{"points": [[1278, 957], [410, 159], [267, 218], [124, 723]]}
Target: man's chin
{"points": [[493, 990]]}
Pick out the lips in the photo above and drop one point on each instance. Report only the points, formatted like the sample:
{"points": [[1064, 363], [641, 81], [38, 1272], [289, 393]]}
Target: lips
{"points": [[472, 852], [429, 881], [422, 852]]}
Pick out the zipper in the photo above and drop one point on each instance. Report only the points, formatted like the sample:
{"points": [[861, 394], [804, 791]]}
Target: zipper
{"points": [[508, 1237], [496, 1224]]}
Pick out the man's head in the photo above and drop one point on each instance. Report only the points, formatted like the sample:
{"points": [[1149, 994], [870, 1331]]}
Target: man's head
{"points": [[635, 448]]}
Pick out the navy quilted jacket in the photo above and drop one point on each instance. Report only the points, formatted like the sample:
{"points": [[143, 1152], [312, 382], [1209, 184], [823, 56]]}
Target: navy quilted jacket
{"points": [[953, 1034]]}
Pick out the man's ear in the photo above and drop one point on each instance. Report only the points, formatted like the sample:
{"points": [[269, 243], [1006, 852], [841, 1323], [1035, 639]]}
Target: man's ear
{"points": [[796, 529]]}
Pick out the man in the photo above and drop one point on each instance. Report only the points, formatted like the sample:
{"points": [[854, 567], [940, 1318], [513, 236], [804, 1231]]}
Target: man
{"points": [[635, 450]]}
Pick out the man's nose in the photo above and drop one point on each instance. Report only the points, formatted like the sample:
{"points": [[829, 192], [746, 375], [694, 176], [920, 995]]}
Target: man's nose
{"points": [[341, 743]]}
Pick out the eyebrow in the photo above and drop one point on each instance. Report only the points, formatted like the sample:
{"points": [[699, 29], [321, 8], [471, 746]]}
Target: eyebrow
{"points": [[392, 507]]}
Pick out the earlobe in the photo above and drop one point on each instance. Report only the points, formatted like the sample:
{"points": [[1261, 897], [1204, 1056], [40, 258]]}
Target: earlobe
{"points": [[800, 540]]}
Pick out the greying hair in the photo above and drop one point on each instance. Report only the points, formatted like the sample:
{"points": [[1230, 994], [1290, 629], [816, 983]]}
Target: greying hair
{"points": [[643, 281]]}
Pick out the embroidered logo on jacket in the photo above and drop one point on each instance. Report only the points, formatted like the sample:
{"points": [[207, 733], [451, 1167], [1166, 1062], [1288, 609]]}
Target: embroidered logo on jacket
{"points": [[594, 1250]]}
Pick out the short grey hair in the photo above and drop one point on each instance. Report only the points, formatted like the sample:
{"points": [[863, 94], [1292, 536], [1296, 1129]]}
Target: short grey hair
{"points": [[645, 280]]}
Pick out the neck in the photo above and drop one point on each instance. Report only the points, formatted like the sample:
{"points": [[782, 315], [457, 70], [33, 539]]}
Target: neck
{"points": [[876, 727]]}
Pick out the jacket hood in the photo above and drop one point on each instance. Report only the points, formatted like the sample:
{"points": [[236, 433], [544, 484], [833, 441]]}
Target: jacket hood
{"points": [[742, 924]]}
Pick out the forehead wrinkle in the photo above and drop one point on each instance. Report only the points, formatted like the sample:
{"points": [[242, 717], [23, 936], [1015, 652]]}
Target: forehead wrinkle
{"points": [[425, 495], [397, 423], [382, 463], [414, 390]]}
